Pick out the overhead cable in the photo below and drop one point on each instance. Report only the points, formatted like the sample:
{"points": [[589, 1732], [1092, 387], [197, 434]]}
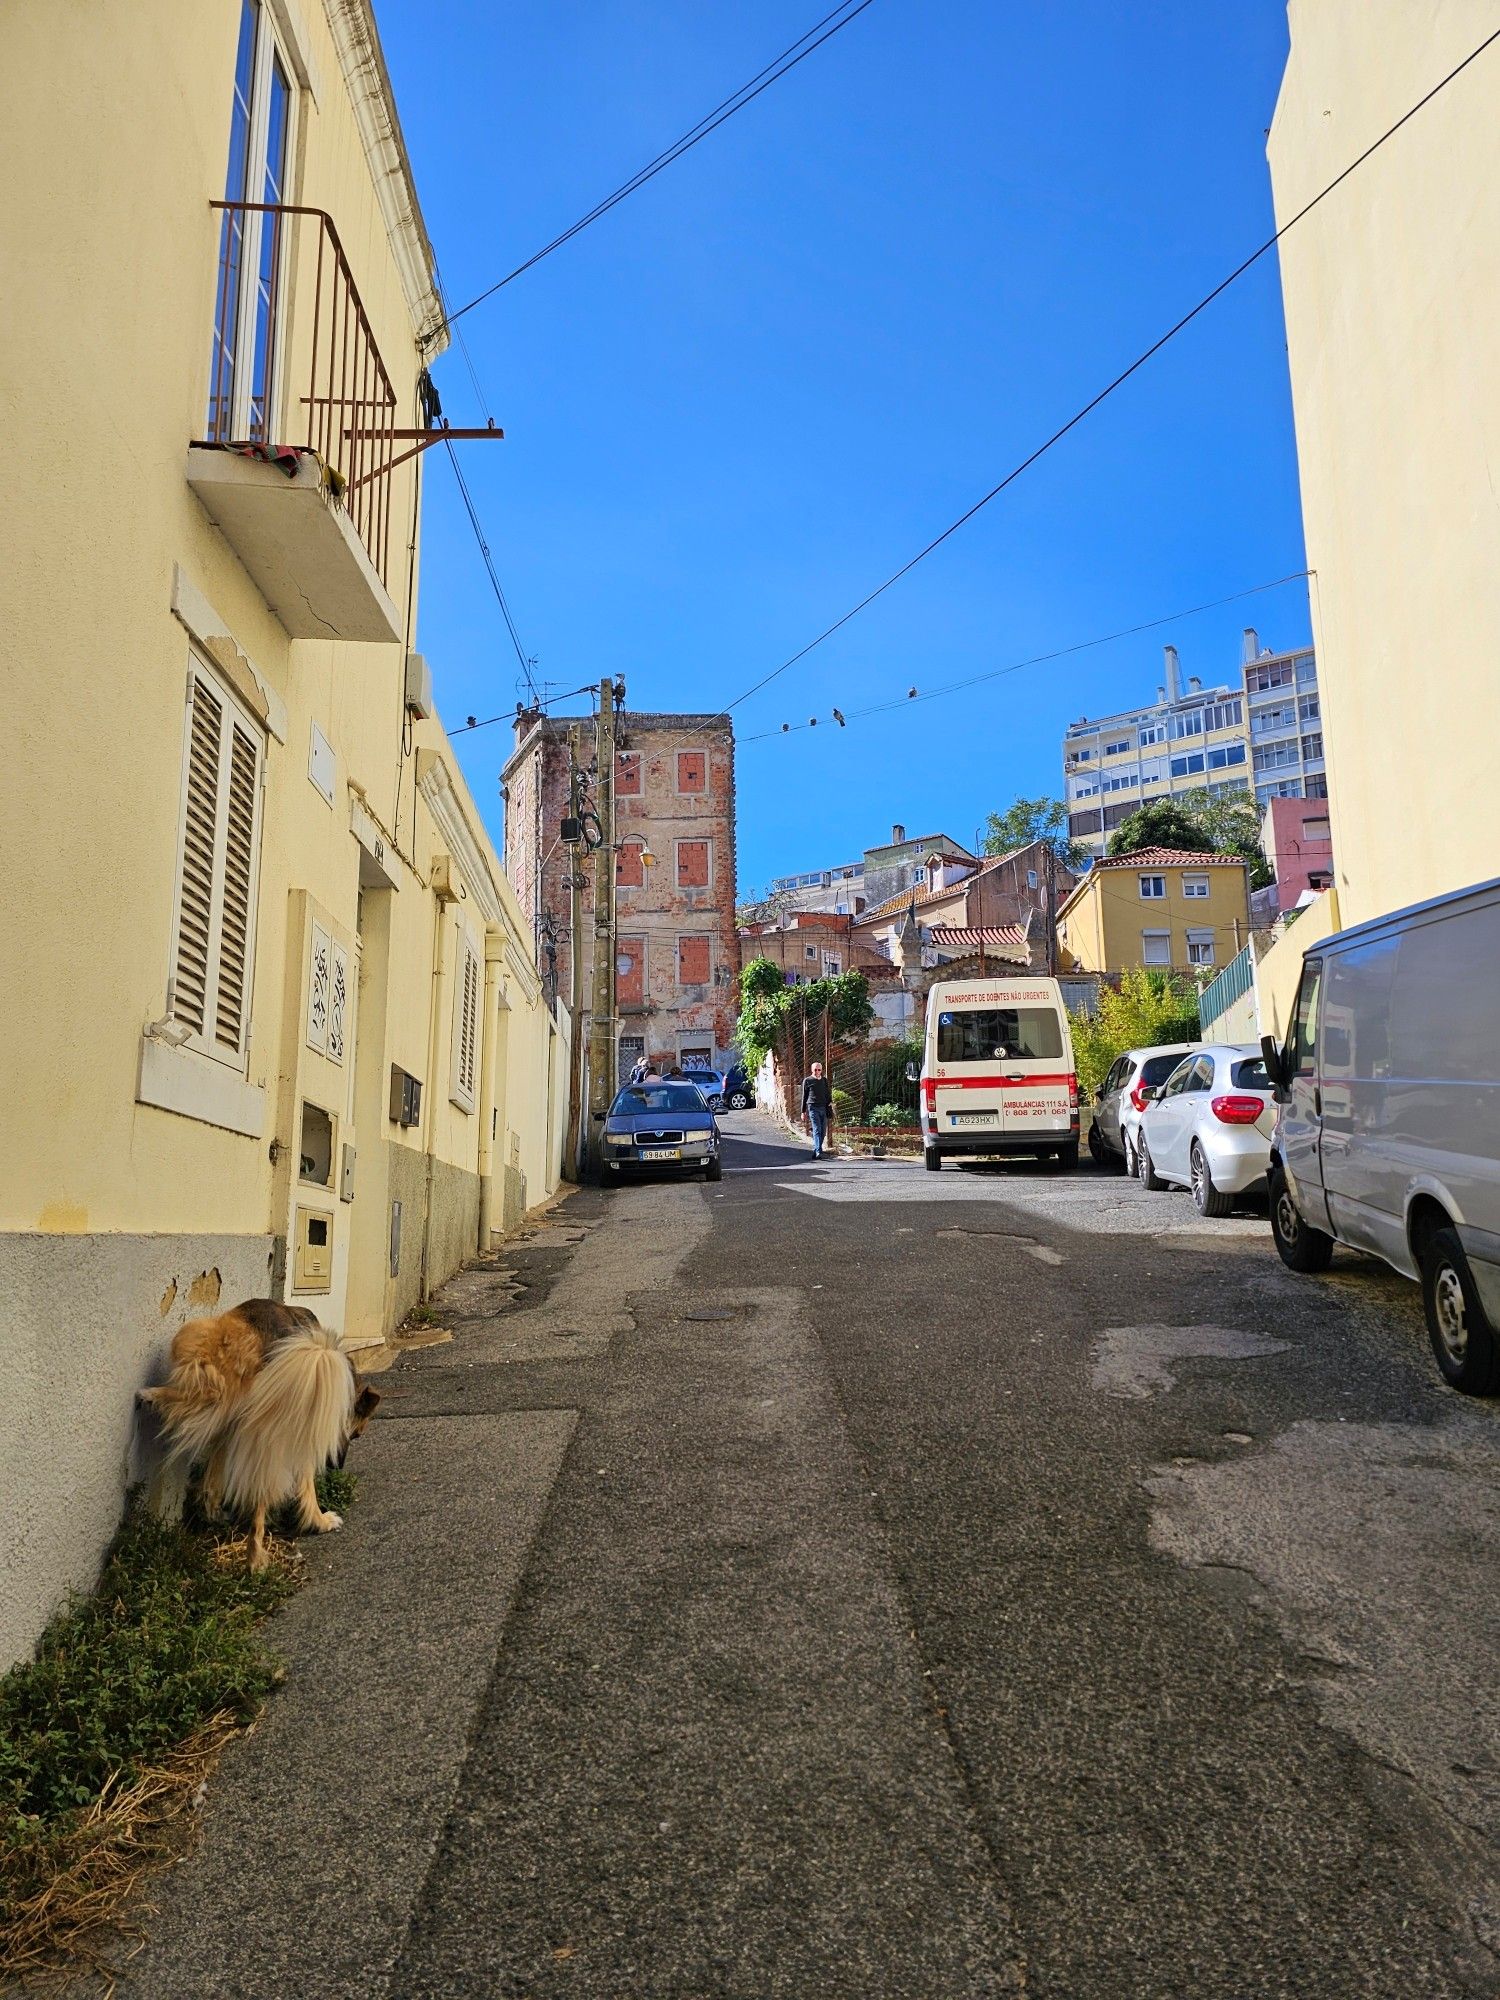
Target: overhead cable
{"points": [[1036, 660], [798, 52], [1124, 376]]}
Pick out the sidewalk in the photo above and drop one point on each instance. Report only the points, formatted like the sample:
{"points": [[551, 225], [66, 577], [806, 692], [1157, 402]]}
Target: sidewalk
{"points": [[606, 1689]]}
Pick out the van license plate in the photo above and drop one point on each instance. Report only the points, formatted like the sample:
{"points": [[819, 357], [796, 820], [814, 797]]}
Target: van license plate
{"points": [[972, 1117], [660, 1153]]}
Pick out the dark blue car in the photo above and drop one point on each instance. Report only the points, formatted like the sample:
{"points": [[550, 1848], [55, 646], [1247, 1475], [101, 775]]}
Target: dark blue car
{"points": [[660, 1128]]}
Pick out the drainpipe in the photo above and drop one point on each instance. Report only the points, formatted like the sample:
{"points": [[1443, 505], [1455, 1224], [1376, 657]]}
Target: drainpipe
{"points": [[429, 1123]]}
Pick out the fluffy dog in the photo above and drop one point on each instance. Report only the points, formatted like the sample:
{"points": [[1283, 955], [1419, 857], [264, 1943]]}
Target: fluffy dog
{"points": [[262, 1397]]}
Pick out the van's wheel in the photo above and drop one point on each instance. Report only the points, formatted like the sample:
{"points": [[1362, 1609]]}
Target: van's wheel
{"points": [[1067, 1156], [1149, 1177], [1207, 1199], [1465, 1344], [932, 1159], [1299, 1245]]}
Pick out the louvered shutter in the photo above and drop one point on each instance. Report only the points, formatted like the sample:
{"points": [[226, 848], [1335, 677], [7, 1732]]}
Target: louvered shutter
{"points": [[467, 990], [214, 926]]}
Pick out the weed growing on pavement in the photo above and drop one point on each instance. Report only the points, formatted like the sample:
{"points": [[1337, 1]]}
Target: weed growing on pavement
{"points": [[108, 1734]]}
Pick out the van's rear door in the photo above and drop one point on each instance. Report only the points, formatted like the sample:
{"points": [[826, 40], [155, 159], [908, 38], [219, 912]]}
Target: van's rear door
{"points": [[1002, 1067]]}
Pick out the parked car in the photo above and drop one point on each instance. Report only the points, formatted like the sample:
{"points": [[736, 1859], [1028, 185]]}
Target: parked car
{"points": [[1124, 1094], [1209, 1126], [660, 1128], [1388, 1138], [709, 1081], [997, 1071], [739, 1091]]}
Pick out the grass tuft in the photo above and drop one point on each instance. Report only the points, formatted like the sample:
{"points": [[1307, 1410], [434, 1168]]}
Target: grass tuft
{"points": [[110, 1732]]}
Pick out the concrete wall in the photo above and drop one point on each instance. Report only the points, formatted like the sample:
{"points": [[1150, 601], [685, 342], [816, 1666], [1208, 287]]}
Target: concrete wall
{"points": [[1392, 295]]}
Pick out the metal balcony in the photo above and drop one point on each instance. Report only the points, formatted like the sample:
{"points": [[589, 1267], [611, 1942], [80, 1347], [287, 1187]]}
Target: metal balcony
{"points": [[301, 429]]}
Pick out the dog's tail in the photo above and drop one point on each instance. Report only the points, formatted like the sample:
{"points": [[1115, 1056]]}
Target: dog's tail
{"points": [[291, 1420]]}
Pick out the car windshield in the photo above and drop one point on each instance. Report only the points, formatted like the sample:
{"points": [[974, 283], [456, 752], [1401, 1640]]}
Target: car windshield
{"points": [[1250, 1074], [657, 1097], [980, 1034], [1156, 1069]]}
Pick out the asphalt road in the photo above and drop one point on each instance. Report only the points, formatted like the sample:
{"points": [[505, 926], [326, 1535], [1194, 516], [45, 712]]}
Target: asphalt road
{"points": [[861, 1583]]}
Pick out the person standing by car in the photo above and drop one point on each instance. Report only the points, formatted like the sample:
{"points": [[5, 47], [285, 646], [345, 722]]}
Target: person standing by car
{"points": [[817, 1108]]}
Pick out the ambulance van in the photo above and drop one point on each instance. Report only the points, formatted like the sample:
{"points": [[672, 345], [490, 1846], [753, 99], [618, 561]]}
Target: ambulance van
{"points": [[997, 1071]]}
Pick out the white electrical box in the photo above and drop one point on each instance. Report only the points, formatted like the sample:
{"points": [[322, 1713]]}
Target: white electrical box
{"points": [[418, 687]]}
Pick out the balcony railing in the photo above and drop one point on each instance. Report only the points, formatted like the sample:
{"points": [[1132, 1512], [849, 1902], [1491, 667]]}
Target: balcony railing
{"points": [[291, 335]]}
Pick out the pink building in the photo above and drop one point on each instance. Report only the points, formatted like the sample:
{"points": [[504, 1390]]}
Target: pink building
{"points": [[1299, 846]]}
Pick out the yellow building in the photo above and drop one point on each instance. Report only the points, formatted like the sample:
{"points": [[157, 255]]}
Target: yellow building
{"points": [[1159, 907], [1392, 297], [273, 1019]]}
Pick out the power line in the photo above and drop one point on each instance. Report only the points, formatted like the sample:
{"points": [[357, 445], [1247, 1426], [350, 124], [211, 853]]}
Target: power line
{"points": [[590, 687], [781, 66], [1039, 659], [489, 563], [1119, 380]]}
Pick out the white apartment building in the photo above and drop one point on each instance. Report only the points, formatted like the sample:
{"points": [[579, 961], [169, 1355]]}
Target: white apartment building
{"points": [[1285, 721]]}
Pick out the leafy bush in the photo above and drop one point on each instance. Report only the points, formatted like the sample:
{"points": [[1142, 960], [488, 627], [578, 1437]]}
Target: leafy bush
{"points": [[885, 1077], [843, 1106], [1151, 1007], [767, 1003], [891, 1118]]}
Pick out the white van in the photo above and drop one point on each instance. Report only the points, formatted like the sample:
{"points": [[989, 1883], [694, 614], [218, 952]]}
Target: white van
{"points": [[997, 1070], [1388, 1136]]}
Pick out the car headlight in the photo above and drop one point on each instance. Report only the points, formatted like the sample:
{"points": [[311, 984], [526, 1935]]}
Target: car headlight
{"points": [[618, 1138]]}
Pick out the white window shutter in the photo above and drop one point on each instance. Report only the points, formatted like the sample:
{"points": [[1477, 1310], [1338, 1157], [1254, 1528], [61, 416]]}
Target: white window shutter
{"points": [[467, 991], [338, 1001], [319, 975], [213, 931]]}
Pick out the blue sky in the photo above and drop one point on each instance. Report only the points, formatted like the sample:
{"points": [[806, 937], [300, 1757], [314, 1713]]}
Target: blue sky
{"points": [[755, 388]]}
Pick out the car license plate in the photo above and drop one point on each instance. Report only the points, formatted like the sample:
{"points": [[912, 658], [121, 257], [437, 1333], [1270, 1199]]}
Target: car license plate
{"points": [[661, 1153], [972, 1117]]}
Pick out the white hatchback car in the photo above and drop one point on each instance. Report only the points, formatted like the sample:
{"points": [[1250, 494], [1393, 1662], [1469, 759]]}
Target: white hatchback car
{"points": [[1209, 1127]]}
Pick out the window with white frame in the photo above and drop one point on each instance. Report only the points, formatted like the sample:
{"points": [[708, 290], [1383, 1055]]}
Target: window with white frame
{"points": [[218, 865], [1156, 947], [1153, 888], [468, 994], [243, 361], [1194, 885], [1200, 946]]}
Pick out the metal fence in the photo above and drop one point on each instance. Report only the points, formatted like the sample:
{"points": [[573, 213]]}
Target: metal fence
{"points": [[1221, 993]]}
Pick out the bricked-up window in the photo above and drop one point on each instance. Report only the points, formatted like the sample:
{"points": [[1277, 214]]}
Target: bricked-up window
{"points": [[692, 864], [628, 774], [692, 771], [630, 971], [693, 964], [630, 871]]}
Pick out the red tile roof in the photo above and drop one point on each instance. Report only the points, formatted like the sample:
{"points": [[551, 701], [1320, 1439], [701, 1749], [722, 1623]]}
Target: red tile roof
{"points": [[955, 937], [1168, 857]]}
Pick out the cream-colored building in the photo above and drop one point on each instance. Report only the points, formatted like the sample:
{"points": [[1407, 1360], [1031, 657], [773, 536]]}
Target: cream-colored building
{"points": [[272, 1017], [1391, 290], [1392, 296], [1156, 907]]}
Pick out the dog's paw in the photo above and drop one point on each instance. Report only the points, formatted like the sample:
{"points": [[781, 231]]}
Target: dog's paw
{"points": [[326, 1523]]}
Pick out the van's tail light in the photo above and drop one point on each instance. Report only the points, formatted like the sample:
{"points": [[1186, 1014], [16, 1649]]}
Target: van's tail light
{"points": [[1072, 1093], [1140, 1096], [1236, 1110], [929, 1093]]}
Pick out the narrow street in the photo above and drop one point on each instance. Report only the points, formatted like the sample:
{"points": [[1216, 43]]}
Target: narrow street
{"points": [[844, 1581]]}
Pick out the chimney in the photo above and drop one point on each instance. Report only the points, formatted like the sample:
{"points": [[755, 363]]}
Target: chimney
{"points": [[1174, 674], [1195, 686], [898, 834], [1161, 694], [1250, 646]]}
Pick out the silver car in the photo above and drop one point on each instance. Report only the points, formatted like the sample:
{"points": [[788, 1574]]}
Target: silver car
{"points": [[1123, 1096], [1389, 1135], [1209, 1127]]}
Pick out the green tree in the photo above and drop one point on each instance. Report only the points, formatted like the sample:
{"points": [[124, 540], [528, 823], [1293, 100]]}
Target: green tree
{"points": [[1149, 1007], [766, 1001], [1044, 820], [1193, 821]]}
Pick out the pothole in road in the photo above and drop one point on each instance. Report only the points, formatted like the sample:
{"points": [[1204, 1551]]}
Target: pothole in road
{"points": [[1043, 1252], [711, 1312]]}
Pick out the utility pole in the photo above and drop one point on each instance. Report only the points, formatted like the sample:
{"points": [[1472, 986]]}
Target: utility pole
{"points": [[1051, 914], [572, 1151], [602, 1018]]}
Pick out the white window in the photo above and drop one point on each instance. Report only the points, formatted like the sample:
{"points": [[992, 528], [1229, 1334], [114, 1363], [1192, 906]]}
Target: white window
{"points": [[218, 863], [244, 360], [1156, 947], [1153, 888], [832, 964], [1200, 947], [1031, 878], [810, 951], [1195, 886], [468, 989]]}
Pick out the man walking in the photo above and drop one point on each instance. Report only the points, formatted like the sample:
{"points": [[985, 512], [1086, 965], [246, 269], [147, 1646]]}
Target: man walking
{"points": [[817, 1108]]}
